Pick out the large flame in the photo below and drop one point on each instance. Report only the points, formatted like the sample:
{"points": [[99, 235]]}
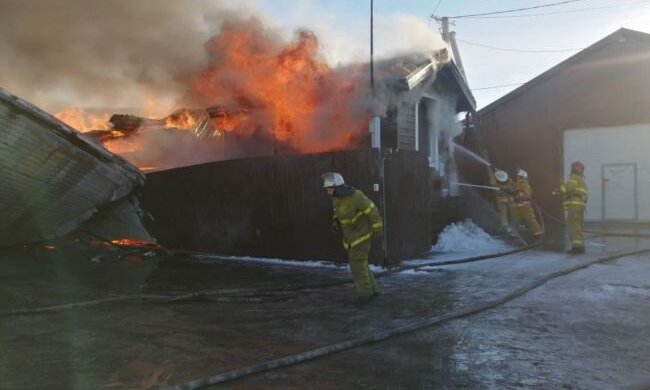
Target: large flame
{"points": [[256, 88], [83, 122], [287, 91]]}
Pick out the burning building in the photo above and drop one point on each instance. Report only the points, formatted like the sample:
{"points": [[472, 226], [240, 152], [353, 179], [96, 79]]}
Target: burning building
{"points": [[274, 206], [235, 168]]}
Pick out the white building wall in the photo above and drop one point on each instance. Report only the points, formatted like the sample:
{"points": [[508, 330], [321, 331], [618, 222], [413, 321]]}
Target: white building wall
{"points": [[600, 146]]}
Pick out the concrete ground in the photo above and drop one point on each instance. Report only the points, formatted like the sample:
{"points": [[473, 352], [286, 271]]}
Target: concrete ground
{"points": [[586, 330]]}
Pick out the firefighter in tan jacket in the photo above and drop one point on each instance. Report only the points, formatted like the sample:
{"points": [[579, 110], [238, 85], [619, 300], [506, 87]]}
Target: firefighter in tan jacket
{"points": [[503, 196], [574, 193], [358, 220], [524, 212]]}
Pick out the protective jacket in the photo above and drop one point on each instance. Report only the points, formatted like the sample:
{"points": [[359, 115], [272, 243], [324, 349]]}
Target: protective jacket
{"points": [[523, 192], [524, 212], [505, 190], [574, 191], [504, 200], [357, 216]]}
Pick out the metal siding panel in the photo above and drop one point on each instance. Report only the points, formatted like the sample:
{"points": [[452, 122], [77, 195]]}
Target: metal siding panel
{"points": [[598, 146], [52, 179]]}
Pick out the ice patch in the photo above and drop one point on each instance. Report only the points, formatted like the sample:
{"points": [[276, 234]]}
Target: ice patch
{"points": [[634, 291], [466, 236]]}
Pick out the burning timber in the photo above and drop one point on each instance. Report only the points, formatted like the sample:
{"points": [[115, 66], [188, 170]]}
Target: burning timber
{"points": [[54, 181]]}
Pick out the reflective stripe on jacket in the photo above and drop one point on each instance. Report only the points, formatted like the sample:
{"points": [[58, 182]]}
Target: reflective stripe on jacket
{"points": [[358, 216], [574, 191]]}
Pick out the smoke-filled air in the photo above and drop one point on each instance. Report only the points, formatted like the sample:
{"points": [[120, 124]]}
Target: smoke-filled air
{"points": [[191, 81]]}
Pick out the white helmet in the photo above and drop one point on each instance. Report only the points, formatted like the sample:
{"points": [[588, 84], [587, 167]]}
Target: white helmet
{"points": [[501, 176], [332, 179], [522, 173]]}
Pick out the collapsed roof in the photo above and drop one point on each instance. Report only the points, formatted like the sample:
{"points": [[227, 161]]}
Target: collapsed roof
{"points": [[53, 180]]}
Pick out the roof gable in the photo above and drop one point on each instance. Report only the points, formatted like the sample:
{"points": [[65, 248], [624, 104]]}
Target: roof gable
{"points": [[615, 37]]}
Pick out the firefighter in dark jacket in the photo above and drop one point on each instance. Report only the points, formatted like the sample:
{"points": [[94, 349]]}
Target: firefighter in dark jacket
{"points": [[358, 220], [524, 212], [574, 198]]}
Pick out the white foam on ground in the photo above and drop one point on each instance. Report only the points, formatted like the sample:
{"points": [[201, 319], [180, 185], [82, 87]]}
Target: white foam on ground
{"points": [[466, 236], [274, 261]]}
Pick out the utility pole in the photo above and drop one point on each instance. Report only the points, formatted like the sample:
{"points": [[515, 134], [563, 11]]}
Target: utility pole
{"points": [[374, 126], [445, 28], [375, 138], [450, 40], [372, 51]]}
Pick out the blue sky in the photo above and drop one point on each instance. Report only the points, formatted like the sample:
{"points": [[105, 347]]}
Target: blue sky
{"points": [[343, 27]]}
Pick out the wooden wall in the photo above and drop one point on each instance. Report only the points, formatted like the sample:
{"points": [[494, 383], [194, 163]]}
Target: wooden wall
{"points": [[276, 207]]}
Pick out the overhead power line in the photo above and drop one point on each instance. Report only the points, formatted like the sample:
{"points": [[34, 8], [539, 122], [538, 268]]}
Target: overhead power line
{"points": [[561, 12], [436, 9], [497, 86], [518, 50], [514, 10]]}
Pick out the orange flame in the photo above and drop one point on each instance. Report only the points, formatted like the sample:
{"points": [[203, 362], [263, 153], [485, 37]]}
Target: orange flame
{"points": [[287, 91], [132, 242], [182, 119], [83, 122], [254, 85]]}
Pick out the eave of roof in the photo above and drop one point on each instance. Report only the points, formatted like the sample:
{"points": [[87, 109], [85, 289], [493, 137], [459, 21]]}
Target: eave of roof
{"points": [[414, 78]]}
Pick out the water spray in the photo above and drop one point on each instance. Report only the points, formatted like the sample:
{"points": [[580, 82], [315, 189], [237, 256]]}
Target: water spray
{"points": [[476, 186], [472, 155]]}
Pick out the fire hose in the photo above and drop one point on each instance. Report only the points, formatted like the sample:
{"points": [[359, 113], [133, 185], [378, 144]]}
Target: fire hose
{"points": [[388, 333], [256, 295]]}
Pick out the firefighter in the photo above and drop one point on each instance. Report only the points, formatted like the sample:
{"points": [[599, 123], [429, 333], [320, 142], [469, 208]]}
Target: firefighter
{"points": [[502, 181], [524, 212], [574, 198], [357, 218]]}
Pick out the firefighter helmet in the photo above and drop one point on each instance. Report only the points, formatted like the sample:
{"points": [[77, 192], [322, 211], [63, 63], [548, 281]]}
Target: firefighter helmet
{"points": [[522, 173], [332, 179], [501, 176]]}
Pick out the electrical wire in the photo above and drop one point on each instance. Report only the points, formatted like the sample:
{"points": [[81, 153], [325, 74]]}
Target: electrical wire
{"points": [[514, 10], [561, 12], [497, 86], [518, 50], [436, 9]]}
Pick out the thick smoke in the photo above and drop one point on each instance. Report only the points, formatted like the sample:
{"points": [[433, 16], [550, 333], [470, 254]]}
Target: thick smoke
{"points": [[128, 53], [143, 57]]}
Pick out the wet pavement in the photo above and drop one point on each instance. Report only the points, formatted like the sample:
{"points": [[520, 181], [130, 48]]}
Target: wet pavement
{"points": [[586, 330]]}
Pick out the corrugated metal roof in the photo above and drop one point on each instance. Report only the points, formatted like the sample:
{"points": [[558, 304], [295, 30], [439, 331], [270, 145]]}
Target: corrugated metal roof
{"points": [[52, 179]]}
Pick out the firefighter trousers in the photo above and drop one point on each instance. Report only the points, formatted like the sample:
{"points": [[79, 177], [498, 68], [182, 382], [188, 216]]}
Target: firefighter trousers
{"points": [[525, 213], [504, 205], [364, 281], [575, 216]]}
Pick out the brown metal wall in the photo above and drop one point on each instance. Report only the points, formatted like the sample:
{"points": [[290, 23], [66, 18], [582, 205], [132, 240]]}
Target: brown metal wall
{"points": [[275, 206], [609, 86]]}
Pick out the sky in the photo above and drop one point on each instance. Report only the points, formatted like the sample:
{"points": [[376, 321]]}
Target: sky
{"points": [[347, 21], [94, 54]]}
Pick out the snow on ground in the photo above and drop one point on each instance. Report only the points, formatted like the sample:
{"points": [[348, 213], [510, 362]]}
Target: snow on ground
{"points": [[458, 240], [466, 236], [283, 263], [272, 261]]}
